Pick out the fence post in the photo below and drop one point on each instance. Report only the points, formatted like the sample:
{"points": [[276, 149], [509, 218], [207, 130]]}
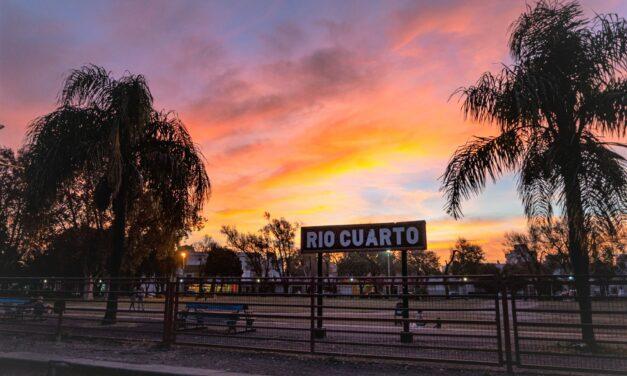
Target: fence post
{"points": [[59, 308], [497, 311], [312, 315], [507, 336], [175, 308], [406, 335], [168, 319], [320, 331], [515, 327]]}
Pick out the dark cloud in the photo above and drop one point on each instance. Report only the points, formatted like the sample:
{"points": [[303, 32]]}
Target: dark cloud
{"points": [[284, 39], [286, 87]]}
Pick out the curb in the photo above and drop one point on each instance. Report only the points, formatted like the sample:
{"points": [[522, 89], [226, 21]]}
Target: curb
{"points": [[58, 365]]}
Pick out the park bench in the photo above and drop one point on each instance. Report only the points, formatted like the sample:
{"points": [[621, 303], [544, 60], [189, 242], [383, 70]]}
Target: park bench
{"points": [[204, 315], [14, 308]]}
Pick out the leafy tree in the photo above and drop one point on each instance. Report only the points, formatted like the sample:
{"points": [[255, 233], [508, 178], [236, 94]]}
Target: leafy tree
{"points": [[358, 264], [256, 248], [282, 233], [109, 128], [423, 263], [543, 249], [76, 252], [465, 258], [11, 185], [564, 91], [222, 262]]}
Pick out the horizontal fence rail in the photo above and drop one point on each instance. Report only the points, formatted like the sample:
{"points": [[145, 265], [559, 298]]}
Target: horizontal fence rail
{"points": [[520, 321]]}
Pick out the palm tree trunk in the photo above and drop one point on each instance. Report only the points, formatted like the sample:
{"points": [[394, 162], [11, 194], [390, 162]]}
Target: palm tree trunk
{"points": [[578, 251], [115, 262]]}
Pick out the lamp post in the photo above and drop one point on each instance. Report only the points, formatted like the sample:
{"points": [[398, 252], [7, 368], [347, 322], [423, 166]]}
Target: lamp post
{"points": [[183, 258]]}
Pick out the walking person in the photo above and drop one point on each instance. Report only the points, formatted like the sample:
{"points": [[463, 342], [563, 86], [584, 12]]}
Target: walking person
{"points": [[132, 297], [140, 298]]}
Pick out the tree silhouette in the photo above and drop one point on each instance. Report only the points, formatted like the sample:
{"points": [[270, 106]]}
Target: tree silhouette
{"points": [[565, 89], [108, 126]]}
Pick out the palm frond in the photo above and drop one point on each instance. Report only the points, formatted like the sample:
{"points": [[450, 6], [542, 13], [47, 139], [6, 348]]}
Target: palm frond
{"points": [[606, 108], [88, 85], [609, 43], [603, 182], [173, 168], [59, 145], [474, 162], [539, 180]]}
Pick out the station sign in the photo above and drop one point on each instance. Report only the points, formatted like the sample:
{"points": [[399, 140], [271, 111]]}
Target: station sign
{"points": [[364, 237]]}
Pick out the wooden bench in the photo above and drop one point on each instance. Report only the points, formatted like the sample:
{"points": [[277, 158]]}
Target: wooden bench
{"points": [[14, 308], [204, 315]]}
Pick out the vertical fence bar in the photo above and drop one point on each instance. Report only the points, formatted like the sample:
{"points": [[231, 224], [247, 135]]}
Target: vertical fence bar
{"points": [[175, 308], [312, 315], [507, 336], [167, 315], [320, 332], [59, 308], [497, 311], [515, 327], [406, 335]]}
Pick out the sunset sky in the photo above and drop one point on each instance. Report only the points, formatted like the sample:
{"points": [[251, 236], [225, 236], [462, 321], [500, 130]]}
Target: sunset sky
{"points": [[321, 112]]}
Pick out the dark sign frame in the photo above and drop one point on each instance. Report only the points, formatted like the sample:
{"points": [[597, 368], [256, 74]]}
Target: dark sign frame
{"points": [[381, 230]]}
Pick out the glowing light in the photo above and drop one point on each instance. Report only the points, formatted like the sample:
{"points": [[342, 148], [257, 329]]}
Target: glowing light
{"points": [[465, 279], [258, 280]]}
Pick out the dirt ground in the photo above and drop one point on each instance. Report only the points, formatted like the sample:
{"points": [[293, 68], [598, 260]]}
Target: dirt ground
{"points": [[227, 360]]}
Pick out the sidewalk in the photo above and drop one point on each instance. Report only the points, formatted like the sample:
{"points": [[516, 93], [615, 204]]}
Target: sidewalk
{"points": [[61, 365], [210, 361]]}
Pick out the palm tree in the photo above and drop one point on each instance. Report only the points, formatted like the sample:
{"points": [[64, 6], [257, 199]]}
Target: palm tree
{"points": [[564, 91], [108, 127]]}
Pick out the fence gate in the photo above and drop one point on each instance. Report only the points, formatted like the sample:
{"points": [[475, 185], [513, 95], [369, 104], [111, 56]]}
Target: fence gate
{"points": [[547, 326]]}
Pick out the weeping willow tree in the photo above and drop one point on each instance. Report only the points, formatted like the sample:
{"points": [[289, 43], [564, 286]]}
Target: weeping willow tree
{"points": [[554, 106], [109, 128]]}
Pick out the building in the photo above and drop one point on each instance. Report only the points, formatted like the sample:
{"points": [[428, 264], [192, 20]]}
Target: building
{"points": [[194, 263]]}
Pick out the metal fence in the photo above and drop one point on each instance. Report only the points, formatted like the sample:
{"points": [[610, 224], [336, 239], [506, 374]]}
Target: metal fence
{"points": [[547, 326], [519, 322]]}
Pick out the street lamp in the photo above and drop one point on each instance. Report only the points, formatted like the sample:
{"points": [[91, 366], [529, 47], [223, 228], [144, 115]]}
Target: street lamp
{"points": [[183, 257]]}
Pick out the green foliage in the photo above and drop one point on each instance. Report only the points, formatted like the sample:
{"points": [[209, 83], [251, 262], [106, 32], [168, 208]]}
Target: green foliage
{"points": [[282, 233], [222, 262], [565, 88], [465, 258], [359, 264], [423, 263], [141, 163], [543, 249], [9, 210], [270, 248], [76, 252], [107, 135]]}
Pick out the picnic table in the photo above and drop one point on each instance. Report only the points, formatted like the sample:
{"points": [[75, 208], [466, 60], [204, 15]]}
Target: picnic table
{"points": [[206, 315], [14, 308]]}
